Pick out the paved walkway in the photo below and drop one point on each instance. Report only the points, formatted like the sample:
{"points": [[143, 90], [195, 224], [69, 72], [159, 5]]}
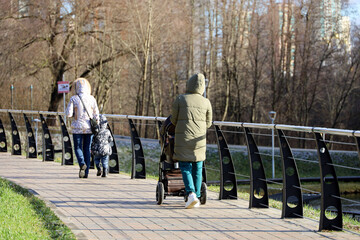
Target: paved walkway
{"points": [[118, 207]]}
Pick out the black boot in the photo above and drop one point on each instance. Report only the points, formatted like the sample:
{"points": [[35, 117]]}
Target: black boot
{"points": [[98, 172], [105, 172]]}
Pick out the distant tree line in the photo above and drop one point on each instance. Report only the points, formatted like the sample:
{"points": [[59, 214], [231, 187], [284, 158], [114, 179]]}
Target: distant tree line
{"points": [[258, 56]]}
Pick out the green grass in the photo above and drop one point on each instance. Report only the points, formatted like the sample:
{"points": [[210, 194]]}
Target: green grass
{"points": [[308, 211], [23, 216]]}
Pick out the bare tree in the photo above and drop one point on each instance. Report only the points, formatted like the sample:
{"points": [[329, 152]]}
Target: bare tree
{"points": [[258, 55]]}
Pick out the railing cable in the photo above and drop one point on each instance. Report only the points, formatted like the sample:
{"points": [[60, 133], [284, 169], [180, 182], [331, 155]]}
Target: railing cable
{"points": [[236, 132], [267, 180], [309, 190], [343, 143], [305, 160], [268, 155], [300, 138], [241, 175], [212, 169], [342, 166], [346, 199], [263, 134]]}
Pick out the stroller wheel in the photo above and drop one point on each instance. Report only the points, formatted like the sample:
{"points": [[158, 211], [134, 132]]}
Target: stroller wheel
{"points": [[160, 193], [203, 193]]}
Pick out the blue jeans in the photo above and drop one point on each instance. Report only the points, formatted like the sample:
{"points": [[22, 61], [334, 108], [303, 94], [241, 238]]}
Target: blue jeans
{"points": [[192, 176], [82, 145], [104, 159]]}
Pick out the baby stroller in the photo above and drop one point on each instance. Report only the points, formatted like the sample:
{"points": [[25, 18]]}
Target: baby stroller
{"points": [[170, 179]]}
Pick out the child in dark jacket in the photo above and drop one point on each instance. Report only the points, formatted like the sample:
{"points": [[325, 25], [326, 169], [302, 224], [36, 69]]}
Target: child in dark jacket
{"points": [[101, 147]]}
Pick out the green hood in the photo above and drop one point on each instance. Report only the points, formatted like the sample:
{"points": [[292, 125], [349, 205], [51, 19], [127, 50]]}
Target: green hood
{"points": [[196, 84]]}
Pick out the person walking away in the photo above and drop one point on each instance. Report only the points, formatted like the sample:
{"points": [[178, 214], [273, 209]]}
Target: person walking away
{"points": [[101, 147], [192, 116], [81, 103]]}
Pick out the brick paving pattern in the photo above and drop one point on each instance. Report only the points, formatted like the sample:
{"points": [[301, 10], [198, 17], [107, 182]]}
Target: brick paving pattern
{"points": [[118, 207]]}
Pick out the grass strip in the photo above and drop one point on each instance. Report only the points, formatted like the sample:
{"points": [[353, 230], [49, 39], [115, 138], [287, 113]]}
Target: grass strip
{"points": [[23, 216]]}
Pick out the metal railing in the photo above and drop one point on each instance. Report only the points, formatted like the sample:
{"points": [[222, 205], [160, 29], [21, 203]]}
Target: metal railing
{"points": [[292, 196]]}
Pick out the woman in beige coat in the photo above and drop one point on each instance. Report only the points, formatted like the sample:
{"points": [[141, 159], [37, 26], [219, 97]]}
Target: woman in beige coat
{"points": [[79, 104], [192, 116]]}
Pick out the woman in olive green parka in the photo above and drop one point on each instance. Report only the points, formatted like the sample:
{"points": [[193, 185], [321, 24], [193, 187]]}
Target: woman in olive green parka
{"points": [[192, 116]]}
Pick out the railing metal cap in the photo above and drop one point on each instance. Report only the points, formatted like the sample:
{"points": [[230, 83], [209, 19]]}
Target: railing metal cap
{"points": [[342, 132], [31, 112]]}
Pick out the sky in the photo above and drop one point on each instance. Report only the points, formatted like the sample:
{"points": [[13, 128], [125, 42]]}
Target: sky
{"points": [[355, 6]]}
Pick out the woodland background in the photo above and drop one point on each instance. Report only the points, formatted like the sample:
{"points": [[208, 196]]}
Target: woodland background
{"points": [[138, 55]]}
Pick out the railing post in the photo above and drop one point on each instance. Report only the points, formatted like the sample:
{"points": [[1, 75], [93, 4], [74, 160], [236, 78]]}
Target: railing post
{"points": [[228, 184], [47, 145], [292, 204], [357, 140], [259, 197], [31, 151], [16, 144], [67, 150], [330, 192], [114, 158], [3, 144], [138, 160]]}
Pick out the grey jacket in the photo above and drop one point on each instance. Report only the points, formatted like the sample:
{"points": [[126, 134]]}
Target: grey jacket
{"points": [[102, 142]]}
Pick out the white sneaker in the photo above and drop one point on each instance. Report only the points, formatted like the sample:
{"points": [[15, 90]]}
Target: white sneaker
{"points": [[197, 204], [192, 201]]}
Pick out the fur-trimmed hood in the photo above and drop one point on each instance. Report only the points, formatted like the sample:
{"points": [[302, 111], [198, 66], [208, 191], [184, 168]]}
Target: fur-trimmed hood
{"points": [[82, 86]]}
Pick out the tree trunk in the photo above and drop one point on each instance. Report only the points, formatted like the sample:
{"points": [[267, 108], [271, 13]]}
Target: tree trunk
{"points": [[191, 41]]}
